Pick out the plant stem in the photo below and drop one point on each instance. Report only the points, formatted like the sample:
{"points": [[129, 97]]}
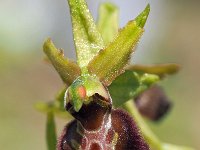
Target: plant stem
{"points": [[150, 137]]}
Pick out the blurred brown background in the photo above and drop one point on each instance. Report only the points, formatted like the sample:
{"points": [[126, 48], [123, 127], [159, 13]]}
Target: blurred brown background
{"points": [[172, 35]]}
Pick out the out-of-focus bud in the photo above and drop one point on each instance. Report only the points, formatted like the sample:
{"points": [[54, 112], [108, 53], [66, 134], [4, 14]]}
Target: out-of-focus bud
{"points": [[153, 103]]}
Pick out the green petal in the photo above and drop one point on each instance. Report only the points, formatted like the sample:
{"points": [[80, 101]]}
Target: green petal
{"points": [[51, 132], [88, 40], [75, 100], [108, 21], [77, 103], [110, 62], [67, 69], [161, 69], [129, 85]]}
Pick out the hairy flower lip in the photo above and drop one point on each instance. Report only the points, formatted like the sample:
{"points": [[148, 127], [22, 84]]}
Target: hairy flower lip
{"points": [[128, 134], [92, 112]]}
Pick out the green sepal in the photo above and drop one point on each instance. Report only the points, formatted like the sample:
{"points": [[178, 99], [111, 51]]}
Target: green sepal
{"points": [[160, 69], [142, 18], [67, 69], [87, 38], [110, 62], [108, 21], [129, 85], [51, 136]]}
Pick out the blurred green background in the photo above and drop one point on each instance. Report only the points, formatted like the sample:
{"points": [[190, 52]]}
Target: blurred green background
{"points": [[172, 35]]}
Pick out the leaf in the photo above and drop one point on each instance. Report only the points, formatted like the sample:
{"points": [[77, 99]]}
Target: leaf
{"points": [[51, 137], [110, 62], [67, 69], [160, 69], [108, 21], [88, 40], [129, 85]]}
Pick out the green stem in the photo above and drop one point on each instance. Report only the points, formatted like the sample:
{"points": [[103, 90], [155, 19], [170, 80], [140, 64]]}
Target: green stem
{"points": [[51, 137], [150, 137]]}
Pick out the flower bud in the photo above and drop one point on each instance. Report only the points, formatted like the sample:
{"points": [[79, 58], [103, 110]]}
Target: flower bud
{"points": [[153, 103]]}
